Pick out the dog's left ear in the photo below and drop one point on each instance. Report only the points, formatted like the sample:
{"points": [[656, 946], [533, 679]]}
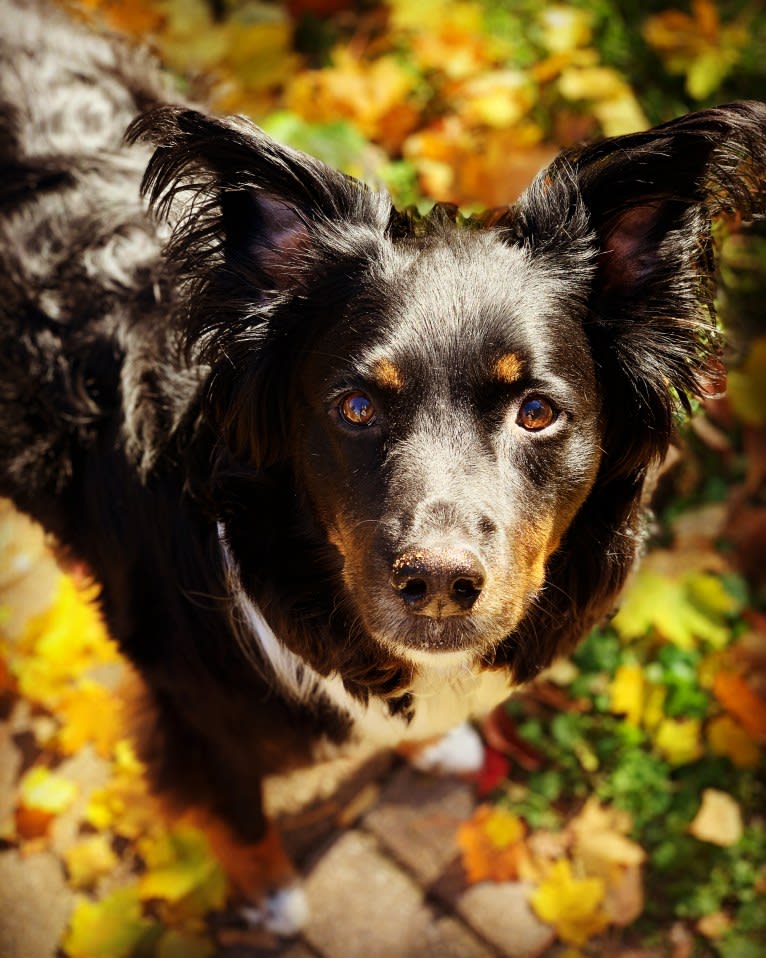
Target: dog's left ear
{"points": [[648, 199]]}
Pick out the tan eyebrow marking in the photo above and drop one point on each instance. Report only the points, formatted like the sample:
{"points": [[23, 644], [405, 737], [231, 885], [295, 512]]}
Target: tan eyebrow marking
{"points": [[508, 368], [387, 374]]}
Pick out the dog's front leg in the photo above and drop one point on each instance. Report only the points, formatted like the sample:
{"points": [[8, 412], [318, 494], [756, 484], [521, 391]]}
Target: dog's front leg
{"points": [[261, 874], [199, 775]]}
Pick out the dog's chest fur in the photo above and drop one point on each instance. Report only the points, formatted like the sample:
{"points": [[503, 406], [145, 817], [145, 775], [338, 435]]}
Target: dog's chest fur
{"points": [[441, 695]]}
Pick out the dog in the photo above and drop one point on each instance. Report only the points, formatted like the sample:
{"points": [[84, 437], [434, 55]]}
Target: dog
{"points": [[342, 472]]}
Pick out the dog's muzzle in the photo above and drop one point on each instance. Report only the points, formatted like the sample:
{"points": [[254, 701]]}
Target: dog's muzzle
{"points": [[438, 582]]}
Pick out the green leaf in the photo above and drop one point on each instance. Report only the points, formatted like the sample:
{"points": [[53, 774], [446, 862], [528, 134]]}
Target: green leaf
{"points": [[179, 864], [175, 944], [111, 928]]}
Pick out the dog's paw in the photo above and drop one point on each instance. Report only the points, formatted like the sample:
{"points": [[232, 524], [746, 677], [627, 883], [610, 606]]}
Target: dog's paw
{"points": [[284, 911], [459, 752]]}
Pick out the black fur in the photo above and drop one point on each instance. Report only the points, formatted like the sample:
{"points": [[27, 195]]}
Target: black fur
{"points": [[154, 404]]}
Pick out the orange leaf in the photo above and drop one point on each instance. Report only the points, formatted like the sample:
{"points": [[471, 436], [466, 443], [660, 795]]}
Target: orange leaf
{"points": [[736, 696], [493, 848]]}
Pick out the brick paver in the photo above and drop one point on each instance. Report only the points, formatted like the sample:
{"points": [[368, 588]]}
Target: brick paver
{"points": [[416, 820]]}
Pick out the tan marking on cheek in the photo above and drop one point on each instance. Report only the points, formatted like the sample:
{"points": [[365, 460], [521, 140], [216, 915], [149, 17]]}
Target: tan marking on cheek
{"points": [[508, 368], [539, 543], [387, 375]]}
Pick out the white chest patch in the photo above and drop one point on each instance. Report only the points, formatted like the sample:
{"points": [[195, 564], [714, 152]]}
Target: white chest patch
{"points": [[444, 694]]}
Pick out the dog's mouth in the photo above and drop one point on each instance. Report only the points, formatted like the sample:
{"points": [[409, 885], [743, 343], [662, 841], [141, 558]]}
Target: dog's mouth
{"points": [[426, 636], [446, 595]]}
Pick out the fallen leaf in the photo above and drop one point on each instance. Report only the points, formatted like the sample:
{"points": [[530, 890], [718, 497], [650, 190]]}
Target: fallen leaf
{"points": [[495, 770], [178, 862], [679, 740], [42, 795], [111, 928], [714, 925], [500, 733], [89, 860], [696, 45], [683, 605], [728, 738], [123, 804], [89, 713], [565, 28], [61, 644], [373, 94], [177, 944], [574, 906], [736, 696], [492, 845], [747, 386], [601, 847], [627, 693], [719, 819]]}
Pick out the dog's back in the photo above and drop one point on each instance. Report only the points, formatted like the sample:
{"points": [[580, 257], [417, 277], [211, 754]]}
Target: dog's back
{"points": [[78, 252]]}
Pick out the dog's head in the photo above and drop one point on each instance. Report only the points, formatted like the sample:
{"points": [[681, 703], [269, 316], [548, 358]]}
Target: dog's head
{"points": [[432, 434]]}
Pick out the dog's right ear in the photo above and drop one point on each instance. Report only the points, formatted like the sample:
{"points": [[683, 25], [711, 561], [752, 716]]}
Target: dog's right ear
{"points": [[261, 206], [254, 223]]}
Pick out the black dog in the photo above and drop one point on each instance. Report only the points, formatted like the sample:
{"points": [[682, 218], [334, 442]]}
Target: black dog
{"points": [[340, 471]]}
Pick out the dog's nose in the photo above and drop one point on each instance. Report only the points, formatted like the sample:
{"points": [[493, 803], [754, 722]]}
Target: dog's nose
{"points": [[438, 582]]}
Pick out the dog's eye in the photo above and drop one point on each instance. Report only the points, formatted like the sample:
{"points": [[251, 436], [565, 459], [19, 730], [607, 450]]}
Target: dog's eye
{"points": [[536, 413], [357, 409]]}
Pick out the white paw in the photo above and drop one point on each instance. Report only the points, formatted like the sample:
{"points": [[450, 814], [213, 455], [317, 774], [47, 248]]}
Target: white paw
{"points": [[459, 752], [282, 912]]}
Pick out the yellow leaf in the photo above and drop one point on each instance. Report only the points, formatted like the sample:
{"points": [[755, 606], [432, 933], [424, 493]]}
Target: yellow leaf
{"points": [[89, 860], [591, 83], [503, 828], [727, 737], [714, 925], [747, 386], [574, 906], [620, 113], [498, 98], [370, 93], [627, 693], [696, 45], [111, 928], [654, 709], [46, 791], [42, 795], [679, 740], [178, 861], [565, 28], [124, 803], [719, 819], [61, 644], [89, 713], [683, 605]]}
